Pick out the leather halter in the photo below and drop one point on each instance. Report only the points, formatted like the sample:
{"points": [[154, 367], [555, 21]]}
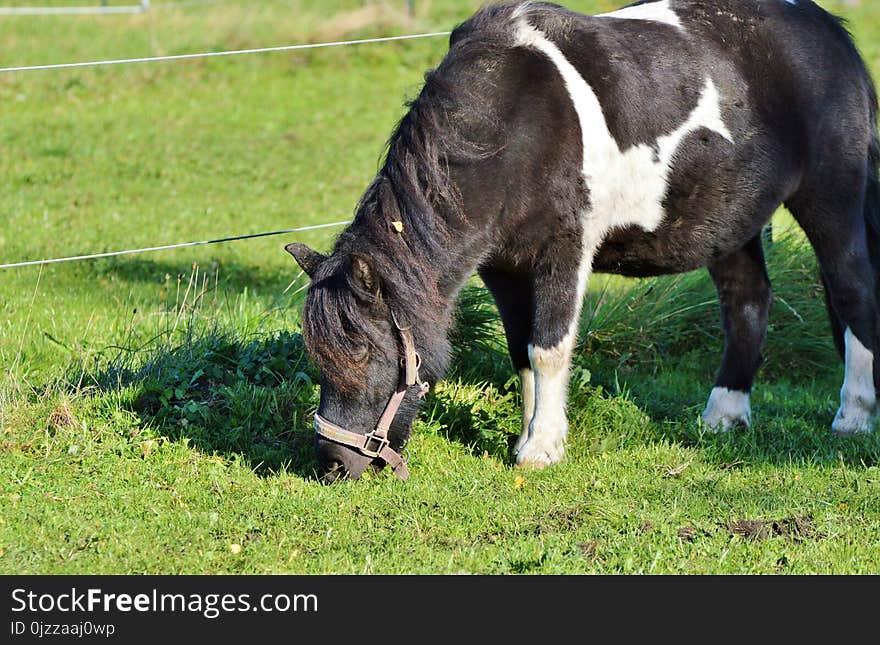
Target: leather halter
{"points": [[376, 443]]}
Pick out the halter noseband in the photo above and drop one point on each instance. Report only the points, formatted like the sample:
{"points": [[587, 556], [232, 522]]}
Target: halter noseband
{"points": [[376, 443]]}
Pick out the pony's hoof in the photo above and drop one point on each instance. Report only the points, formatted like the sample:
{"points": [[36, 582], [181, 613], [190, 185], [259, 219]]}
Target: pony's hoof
{"points": [[852, 421], [724, 423], [531, 465], [536, 456]]}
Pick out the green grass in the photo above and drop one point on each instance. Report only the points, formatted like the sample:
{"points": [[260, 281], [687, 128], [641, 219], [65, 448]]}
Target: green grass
{"points": [[155, 409]]}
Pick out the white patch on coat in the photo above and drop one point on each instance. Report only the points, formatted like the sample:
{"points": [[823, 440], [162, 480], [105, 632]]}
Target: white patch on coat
{"points": [[655, 12], [626, 187], [858, 399], [543, 442], [727, 408]]}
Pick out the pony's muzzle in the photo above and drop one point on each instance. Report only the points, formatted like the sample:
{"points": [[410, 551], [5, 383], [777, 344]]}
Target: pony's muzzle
{"points": [[337, 461]]}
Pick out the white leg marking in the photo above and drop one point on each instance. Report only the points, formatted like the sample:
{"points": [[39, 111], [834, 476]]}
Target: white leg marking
{"points": [[655, 12], [858, 399], [727, 408], [548, 428], [527, 388]]}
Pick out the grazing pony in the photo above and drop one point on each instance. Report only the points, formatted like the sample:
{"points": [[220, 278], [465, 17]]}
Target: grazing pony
{"points": [[546, 145]]}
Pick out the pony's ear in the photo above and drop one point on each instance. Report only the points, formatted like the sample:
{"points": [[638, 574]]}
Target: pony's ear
{"points": [[363, 273], [308, 259]]}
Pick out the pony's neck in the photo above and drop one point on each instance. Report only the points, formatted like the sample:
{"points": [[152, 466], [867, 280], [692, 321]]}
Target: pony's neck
{"points": [[429, 277], [426, 257], [455, 265], [423, 278]]}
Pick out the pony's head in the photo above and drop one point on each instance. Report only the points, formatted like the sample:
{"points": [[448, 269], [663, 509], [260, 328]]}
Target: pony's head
{"points": [[365, 349], [378, 309]]}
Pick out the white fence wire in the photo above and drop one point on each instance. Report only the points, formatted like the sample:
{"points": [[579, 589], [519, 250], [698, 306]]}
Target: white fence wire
{"points": [[166, 247], [234, 52], [87, 9], [150, 59]]}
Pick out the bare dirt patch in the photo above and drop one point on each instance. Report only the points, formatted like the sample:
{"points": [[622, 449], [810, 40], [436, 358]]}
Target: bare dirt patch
{"points": [[588, 549], [794, 528], [61, 417], [687, 533]]}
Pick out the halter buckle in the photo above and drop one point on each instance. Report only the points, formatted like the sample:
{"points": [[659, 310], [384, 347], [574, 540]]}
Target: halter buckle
{"points": [[380, 441]]}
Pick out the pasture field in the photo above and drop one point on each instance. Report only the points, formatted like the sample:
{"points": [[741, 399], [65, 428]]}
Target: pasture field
{"points": [[155, 409]]}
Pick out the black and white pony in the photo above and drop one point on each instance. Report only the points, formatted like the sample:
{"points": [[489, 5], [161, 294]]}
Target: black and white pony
{"points": [[547, 144]]}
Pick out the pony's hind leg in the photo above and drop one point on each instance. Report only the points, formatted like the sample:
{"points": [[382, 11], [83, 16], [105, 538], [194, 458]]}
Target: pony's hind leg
{"points": [[513, 295], [745, 296], [838, 232]]}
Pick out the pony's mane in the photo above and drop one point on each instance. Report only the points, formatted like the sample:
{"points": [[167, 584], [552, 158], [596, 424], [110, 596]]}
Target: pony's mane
{"points": [[403, 224]]}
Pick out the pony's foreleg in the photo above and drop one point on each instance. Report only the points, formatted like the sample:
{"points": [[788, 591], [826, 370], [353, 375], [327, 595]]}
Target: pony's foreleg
{"points": [[543, 442], [745, 295], [558, 296]]}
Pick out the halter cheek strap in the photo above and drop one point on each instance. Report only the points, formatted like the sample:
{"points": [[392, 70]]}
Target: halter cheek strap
{"points": [[376, 443]]}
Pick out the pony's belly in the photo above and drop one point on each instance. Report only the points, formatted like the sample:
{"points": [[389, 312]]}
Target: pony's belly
{"points": [[637, 253], [640, 267]]}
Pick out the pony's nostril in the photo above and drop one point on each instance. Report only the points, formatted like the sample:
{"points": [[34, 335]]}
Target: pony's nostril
{"points": [[334, 470]]}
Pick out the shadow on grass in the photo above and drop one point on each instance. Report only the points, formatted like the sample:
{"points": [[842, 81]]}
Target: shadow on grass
{"points": [[791, 420], [228, 396], [483, 417], [255, 399]]}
